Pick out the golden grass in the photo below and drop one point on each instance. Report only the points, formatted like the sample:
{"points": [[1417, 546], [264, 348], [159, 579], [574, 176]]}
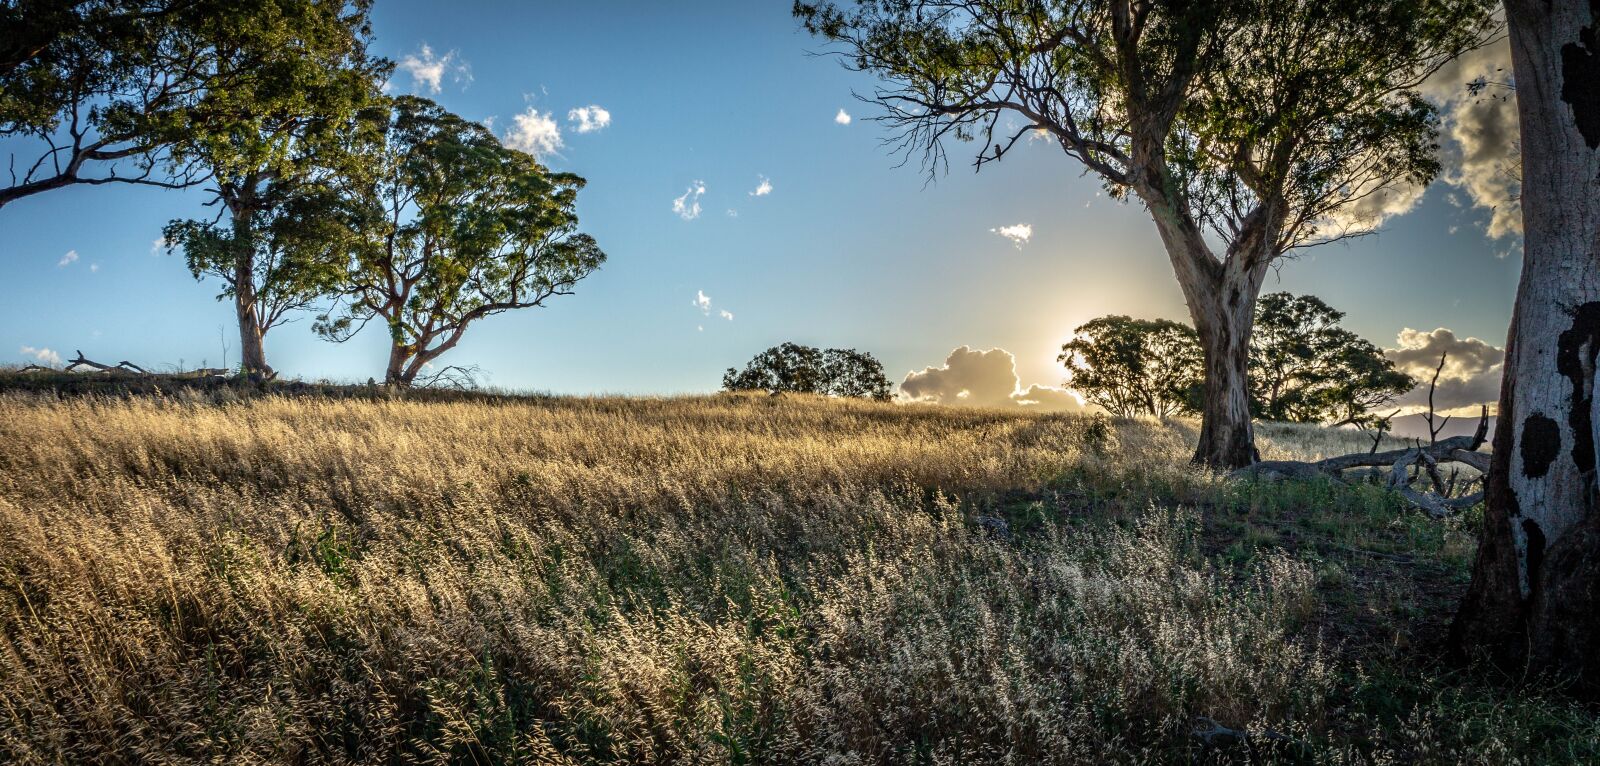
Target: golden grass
{"points": [[697, 580]]}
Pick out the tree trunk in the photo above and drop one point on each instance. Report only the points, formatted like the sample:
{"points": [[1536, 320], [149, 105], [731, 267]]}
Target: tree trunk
{"points": [[1221, 296], [1534, 601], [395, 373], [1223, 319], [252, 351]]}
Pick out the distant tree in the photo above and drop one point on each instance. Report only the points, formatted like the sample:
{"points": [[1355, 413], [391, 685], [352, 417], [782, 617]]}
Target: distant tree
{"points": [[852, 373], [1250, 125], [1135, 366], [1305, 368], [1534, 602], [793, 368], [269, 140], [447, 226]]}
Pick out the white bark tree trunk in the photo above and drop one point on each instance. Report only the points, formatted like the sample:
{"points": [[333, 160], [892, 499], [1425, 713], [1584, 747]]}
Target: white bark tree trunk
{"points": [[1535, 594]]}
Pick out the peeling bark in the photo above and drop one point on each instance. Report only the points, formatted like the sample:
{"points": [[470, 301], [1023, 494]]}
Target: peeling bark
{"points": [[1534, 602]]}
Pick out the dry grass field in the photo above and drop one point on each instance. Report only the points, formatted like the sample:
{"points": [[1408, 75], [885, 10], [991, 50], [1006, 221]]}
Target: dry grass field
{"points": [[726, 579]]}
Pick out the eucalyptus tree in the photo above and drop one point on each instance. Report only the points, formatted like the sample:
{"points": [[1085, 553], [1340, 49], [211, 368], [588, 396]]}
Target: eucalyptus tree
{"points": [[89, 85], [1534, 601], [1306, 368], [795, 368], [292, 257], [1247, 128], [298, 74], [446, 227], [1134, 366]]}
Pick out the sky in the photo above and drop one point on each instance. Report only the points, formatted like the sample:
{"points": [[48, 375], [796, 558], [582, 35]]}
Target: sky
{"points": [[744, 198]]}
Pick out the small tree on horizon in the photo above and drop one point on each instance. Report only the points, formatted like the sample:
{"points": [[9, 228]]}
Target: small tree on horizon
{"points": [[793, 368], [1305, 368]]}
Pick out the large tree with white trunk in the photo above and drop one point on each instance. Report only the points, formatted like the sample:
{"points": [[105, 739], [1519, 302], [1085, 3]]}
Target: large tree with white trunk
{"points": [[1535, 595], [1247, 128]]}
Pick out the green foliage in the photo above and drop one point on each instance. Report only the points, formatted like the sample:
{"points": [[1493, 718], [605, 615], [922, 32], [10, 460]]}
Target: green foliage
{"points": [[1305, 368], [291, 253], [92, 81], [802, 369], [1266, 121], [446, 226], [1133, 366], [176, 90], [297, 75]]}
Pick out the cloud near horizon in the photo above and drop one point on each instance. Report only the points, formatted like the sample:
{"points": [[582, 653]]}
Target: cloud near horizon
{"points": [[986, 378], [43, 355], [1471, 374]]}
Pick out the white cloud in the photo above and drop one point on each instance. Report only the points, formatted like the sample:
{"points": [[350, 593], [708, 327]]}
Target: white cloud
{"points": [[157, 245], [688, 206], [762, 189], [43, 355], [94, 268], [67, 260], [428, 71], [534, 133], [843, 117], [589, 119], [1478, 148], [1018, 233], [702, 302], [1481, 147], [732, 213], [1471, 374], [726, 314], [988, 378]]}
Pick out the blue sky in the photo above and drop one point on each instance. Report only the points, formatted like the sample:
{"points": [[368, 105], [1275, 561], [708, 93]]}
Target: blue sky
{"points": [[846, 250]]}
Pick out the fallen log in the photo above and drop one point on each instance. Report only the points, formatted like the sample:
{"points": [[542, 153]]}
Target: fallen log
{"points": [[1443, 451], [1459, 449], [124, 367]]}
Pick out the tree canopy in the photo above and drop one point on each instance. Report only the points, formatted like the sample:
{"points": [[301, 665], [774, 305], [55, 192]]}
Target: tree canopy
{"points": [[793, 368], [1134, 366], [108, 88], [1305, 368], [446, 227]]}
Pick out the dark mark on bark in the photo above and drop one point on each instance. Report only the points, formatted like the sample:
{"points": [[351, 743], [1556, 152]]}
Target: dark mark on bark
{"points": [[1535, 549], [1575, 361], [1580, 79], [1541, 443]]}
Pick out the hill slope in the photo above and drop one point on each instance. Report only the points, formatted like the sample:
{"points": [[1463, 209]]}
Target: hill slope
{"points": [[724, 579]]}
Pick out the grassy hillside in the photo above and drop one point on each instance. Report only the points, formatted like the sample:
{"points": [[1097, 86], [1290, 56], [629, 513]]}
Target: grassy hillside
{"points": [[714, 580]]}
